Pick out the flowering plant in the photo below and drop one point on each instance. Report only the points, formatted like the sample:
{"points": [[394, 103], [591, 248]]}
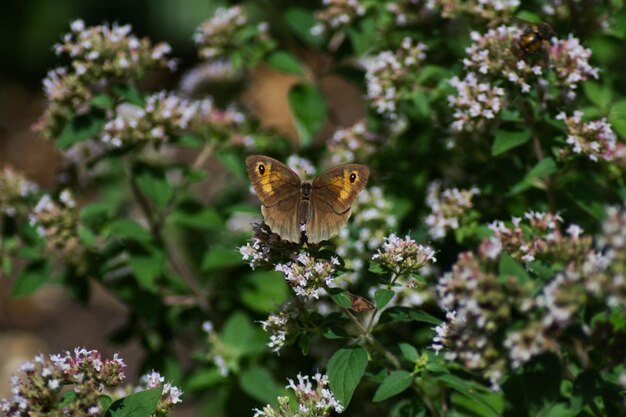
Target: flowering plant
{"points": [[483, 270]]}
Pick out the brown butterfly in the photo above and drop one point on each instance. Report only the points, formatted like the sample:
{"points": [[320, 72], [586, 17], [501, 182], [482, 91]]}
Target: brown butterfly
{"points": [[297, 209]]}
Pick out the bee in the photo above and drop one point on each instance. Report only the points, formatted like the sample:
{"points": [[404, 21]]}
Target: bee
{"points": [[534, 37]]}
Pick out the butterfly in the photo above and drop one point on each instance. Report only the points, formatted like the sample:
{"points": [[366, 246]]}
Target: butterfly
{"points": [[305, 211]]}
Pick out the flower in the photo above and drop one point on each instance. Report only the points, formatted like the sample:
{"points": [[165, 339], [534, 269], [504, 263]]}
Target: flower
{"points": [[302, 166], [571, 63], [476, 104], [447, 208], [390, 76], [355, 143], [15, 192], [279, 326], [403, 257], [312, 401], [595, 139], [336, 15], [307, 275], [493, 10]]}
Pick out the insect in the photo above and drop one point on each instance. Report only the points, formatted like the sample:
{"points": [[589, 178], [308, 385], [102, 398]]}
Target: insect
{"points": [[534, 37], [305, 211]]}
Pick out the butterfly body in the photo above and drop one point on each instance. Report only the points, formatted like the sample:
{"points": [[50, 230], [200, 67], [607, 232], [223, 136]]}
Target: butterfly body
{"points": [[312, 210]]}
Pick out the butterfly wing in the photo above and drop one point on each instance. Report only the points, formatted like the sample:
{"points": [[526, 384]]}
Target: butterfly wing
{"points": [[278, 188], [333, 193]]}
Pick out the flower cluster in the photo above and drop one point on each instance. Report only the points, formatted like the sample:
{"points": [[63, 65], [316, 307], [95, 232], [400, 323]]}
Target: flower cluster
{"points": [[448, 208], [312, 401], [307, 275], [166, 115], [373, 220], [279, 326], [336, 15], [570, 61], [218, 353], [478, 306], [476, 103], [229, 31], [100, 55], [56, 221], [481, 306], [537, 234], [170, 394], [595, 139], [390, 76], [403, 257], [15, 192], [302, 166], [266, 248], [495, 53], [406, 12], [41, 389], [353, 144], [497, 10]]}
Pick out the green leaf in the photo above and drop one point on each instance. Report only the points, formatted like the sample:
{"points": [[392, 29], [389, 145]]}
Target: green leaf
{"points": [[259, 384], [79, 129], [598, 94], [301, 20], [129, 94], [147, 268], [543, 168], [203, 379], [243, 337], [264, 290], [102, 101], [31, 278], [139, 404], [308, 108], [129, 229], [189, 141], [376, 268], [506, 140], [204, 219], [340, 297], [362, 35], [220, 257], [409, 352], [617, 117], [96, 213], [408, 314], [508, 266], [382, 297], [345, 370], [155, 187], [394, 384], [285, 62], [473, 391]]}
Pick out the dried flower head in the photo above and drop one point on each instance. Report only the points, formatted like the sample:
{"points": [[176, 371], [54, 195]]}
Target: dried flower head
{"points": [[311, 401], [448, 208], [336, 15], [391, 76]]}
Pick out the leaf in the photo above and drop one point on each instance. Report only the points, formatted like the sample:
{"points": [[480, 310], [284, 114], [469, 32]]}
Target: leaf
{"points": [[79, 129], [308, 108], [264, 290], [598, 94], [543, 168], [617, 117], [408, 314], [506, 140], [345, 370], [243, 337], [508, 266], [102, 101], [362, 35], [409, 352], [129, 229], [376, 268], [220, 257], [394, 384], [147, 268], [475, 392], [259, 384], [139, 404], [204, 219], [382, 297], [285, 62], [340, 297], [31, 278], [155, 187], [301, 20]]}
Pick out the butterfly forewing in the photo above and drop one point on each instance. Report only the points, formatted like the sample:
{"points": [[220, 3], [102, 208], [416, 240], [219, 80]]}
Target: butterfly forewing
{"points": [[338, 187], [272, 180]]}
